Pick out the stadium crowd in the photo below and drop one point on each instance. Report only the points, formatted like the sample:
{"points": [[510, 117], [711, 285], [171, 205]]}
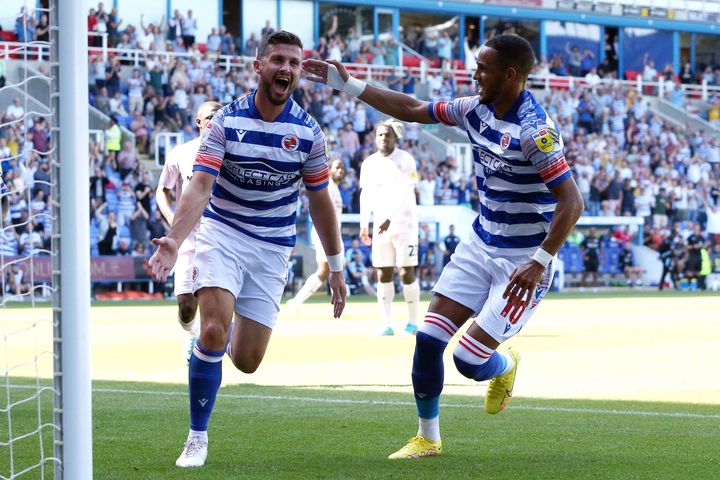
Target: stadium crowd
{"points": [[627, 160]]}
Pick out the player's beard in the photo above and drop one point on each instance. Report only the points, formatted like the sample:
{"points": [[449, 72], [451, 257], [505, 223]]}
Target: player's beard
{"points": [[487, 95], [276, 98]]}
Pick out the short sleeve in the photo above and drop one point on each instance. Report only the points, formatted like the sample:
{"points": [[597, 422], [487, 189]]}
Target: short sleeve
{"points": [[453, 112], [169, 173], [315, 171], [543, 147], [212, 146]]}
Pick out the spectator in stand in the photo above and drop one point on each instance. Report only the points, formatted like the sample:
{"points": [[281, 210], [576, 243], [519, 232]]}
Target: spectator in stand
{"points": [[214, 41], [251, 45], [113, 74], [189, 29], [175, 26], [15, 110], [586, 114], [574, 60], [138, 224], [266, 30], [127, 160], [676, 96]]}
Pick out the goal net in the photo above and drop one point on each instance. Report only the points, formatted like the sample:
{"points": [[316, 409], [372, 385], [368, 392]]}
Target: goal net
{"points": [[44, 261]]}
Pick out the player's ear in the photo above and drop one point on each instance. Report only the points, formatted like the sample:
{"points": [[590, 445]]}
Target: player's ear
{"points": [[256, 66], [511, 73]]}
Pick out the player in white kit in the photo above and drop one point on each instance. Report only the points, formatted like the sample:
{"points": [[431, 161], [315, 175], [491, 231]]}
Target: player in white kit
{"points": [[529, 204], [176, 174], [316, 279], [387, 193], [246, 181]]}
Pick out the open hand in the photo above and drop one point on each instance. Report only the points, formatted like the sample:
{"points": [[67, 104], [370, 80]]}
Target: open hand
{"points": [[336, 280], [521, 288], [163, 260]]}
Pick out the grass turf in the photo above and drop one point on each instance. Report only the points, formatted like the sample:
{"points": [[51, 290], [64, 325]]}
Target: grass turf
{"points": [[285, 433]]}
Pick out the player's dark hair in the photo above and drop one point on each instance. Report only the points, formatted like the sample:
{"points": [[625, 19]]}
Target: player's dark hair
{"points": [[513, 51], [276, 38]]}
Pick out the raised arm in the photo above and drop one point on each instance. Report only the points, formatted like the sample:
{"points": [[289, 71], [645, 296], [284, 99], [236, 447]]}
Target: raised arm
{"points": [[396, 104]]}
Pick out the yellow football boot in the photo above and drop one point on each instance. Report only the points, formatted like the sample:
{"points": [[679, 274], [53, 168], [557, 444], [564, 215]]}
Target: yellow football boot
{"points": [[500, 389], [417, 447]]}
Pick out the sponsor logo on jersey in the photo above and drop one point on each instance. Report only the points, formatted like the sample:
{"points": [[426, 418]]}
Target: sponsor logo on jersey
{"points": [[483, 126], [256, 176], [505, 140], [490, 163], [290, 143], [240, 134], [544, 141]]}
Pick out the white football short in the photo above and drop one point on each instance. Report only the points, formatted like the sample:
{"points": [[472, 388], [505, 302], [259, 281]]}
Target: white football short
{"points": [[183, 272], [395, 249], [255, 274], [477, 280], [320, 256]]}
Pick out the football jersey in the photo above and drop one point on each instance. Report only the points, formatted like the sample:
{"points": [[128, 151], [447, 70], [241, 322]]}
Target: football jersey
{"points": [[259, 166], [176, 175], [517, 159], [388, 184]]}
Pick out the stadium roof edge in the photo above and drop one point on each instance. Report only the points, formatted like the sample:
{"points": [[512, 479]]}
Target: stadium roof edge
{"points": [[524, 13]]}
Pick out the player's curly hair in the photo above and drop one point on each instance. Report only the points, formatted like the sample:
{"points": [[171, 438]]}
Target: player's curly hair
{"points": [[513, 51], [282, 37]]}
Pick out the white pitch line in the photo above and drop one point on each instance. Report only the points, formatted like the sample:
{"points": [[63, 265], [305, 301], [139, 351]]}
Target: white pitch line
{"points": [[412, 404]]}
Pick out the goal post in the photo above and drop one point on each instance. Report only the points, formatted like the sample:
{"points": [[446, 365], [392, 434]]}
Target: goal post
{"points": [[71, 306]]}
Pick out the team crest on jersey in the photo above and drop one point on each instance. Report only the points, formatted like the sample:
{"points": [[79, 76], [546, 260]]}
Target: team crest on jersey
{"points": [[505, 140], [290, 143], [543, 140]]}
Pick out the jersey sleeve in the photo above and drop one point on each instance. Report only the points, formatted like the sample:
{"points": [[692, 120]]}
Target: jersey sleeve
{"points": [[453, 112], [170, 171], [543, 146], [315, 171], [212, 146], [410, 170]]}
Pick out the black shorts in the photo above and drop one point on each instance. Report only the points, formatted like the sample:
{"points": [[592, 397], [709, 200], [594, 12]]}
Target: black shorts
{"points": [[592, 264], [694, 263]]}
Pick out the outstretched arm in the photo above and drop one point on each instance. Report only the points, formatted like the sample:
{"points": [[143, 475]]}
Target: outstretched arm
{"points": [[396, 104]]}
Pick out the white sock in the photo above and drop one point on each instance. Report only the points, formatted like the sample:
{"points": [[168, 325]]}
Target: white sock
{"points": [[195, 433], [510, 363], [311, 286], [411, 292], [385, 296], [429, 428]]}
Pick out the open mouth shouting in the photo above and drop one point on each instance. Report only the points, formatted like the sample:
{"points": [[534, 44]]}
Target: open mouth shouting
{"points": [[281, 84]]}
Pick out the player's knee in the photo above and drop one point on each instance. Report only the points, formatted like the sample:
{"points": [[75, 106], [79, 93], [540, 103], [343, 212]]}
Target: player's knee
{"points": [[386, 275], [246, 363], [186, 309], [407, 275], [213, 333], [427, 346]]}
